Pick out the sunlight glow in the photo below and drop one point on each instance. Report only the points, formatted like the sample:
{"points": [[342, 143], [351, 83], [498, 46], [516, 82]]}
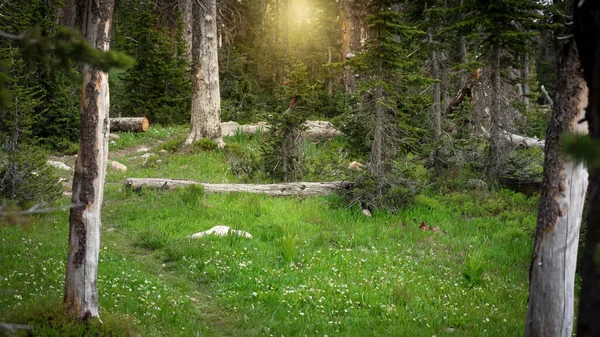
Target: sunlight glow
{"points": [[299, 10]]}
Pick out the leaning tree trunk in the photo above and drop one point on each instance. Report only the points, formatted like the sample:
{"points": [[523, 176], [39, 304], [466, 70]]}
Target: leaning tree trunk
{"points": [[587, 35], [206, 99], [81, 291], [552, 271]]}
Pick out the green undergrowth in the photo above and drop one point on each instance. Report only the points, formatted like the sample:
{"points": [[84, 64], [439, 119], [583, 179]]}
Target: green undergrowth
{"points": [[448, 265]]}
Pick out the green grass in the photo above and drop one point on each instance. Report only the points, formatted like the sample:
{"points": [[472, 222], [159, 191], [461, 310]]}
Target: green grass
{"points": [[312, 268]]}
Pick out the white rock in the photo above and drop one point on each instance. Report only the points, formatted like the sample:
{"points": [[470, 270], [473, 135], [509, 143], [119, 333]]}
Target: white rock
{"points": [[113, 136], [143, 149], [222, 231], [161, 152], [59, 165], [147, 155], [229, 128], [118, 166]]}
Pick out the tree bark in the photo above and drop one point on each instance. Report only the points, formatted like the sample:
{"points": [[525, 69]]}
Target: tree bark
{"points": [[437, 98], [131, 124], [206, 99], [554, 258], [81, 291], [278, 190], [352, 32], [525, 78], [185, 6], [494, 156], [587, 36]]}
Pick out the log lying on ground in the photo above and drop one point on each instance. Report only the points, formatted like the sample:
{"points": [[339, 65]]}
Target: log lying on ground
{"points": [[131, 124], [517, 140], [303, 189], [315, 129]]}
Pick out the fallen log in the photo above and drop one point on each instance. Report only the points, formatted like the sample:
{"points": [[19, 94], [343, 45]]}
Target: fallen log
{"points": [[303, 189], [518, 140], [131, 124], [314, 129]]}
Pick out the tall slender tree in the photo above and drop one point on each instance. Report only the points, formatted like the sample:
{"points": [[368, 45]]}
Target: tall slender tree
{"points": [[81, 289], [206, 97]]}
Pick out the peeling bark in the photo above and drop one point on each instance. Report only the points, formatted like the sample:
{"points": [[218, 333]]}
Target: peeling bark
{"points": [[554, 258], [206, 97], [81, 291], [587, 36], [353, 34]]}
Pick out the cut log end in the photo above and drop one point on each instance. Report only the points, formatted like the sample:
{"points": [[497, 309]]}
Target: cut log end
{"points": [[129, 124]]}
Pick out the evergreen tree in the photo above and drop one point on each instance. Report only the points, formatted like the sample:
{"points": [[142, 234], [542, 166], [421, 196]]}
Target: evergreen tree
{"points": [[389, 82], [499, 31], [157, 86]]}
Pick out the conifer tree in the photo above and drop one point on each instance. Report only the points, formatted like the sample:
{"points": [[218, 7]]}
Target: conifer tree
{"points": [[499, 31], [389, 77]]}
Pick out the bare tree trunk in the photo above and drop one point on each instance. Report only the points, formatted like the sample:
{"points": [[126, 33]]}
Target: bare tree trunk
{"points": [[525, 77], [587, 35], [185, 6], [554, 258], [437, 97], [329, 73], [81, 291], [348, 28], [495, 152], [206, 97]]}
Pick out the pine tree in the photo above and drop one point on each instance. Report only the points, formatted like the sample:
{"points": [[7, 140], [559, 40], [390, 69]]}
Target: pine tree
{"points": [[498, 31], [389, 77]]}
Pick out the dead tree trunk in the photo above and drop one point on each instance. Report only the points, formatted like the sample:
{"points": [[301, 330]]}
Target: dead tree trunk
{"points": [[353, 34], [587, 35], [206, 99], [495, 152], [185, 7], [552, 271], [81, 291], [525, 78], [437, 98], [129, 124]]}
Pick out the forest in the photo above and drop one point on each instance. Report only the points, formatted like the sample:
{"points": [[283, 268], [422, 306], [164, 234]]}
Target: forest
{"points": [[299, 168]]}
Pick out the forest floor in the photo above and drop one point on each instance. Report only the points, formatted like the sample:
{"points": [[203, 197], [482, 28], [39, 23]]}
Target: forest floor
{"points": [[313, 267]]}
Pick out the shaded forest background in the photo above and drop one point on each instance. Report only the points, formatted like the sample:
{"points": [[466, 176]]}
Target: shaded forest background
{"points": [[454, 76]]}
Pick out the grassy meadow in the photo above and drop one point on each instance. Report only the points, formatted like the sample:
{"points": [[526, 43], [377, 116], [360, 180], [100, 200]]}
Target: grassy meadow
{"points": [[314, 267]]}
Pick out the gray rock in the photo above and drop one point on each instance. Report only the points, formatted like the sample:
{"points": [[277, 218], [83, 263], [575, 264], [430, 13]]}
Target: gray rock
{"points": [[59, 165]]}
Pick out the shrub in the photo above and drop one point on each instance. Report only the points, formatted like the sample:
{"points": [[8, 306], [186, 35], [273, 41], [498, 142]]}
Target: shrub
{"points": [[243, 162], [26, 178], [173, 145], [204, 145]]}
